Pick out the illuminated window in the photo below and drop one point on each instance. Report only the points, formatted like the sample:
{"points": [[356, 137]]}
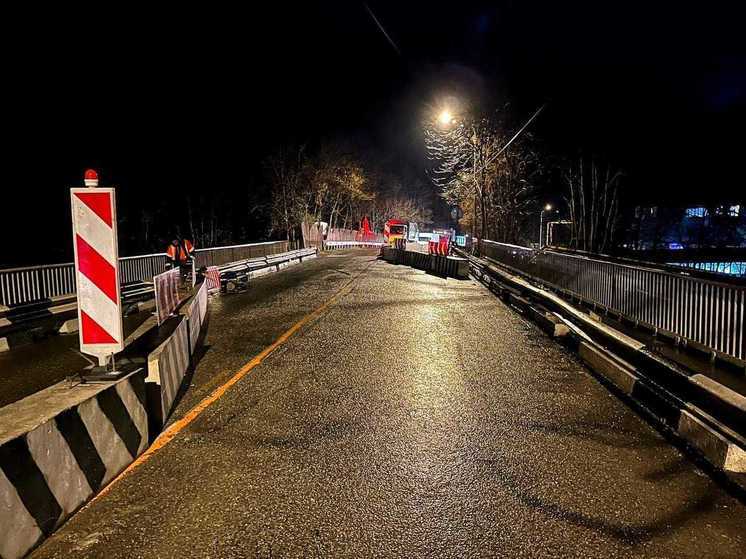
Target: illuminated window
{"points": [[731, 211], [699, 211]]}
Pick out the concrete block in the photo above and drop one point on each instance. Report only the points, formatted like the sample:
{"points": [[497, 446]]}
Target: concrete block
{"points": [[720, 452], [167, 367], [69, 326], [731, 397], [58, 448], [146, 306], [548, 322], [613, 369]]}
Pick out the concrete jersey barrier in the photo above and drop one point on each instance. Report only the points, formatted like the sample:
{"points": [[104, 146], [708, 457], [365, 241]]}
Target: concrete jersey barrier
{"points": [[195, 314], [167, 367], [61, 446], [58, 448]]}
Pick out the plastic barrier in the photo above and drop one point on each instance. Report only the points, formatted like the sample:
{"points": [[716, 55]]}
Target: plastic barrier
{"points": [[212, 278], [166, 293], [439, 246]]}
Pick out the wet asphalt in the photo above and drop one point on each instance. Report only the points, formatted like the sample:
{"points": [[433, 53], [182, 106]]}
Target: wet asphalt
{"points": [[40, 363], [417, 417]]}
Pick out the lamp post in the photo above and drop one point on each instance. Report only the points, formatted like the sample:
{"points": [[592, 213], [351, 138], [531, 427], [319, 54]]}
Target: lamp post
{"points": [[547, 208]]}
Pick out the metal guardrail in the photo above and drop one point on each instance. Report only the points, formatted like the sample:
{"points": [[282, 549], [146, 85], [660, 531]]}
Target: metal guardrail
{"points": [[224, 255], [707, 312]]}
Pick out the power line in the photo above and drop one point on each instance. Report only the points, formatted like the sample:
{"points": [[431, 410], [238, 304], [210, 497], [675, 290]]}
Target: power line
{"points": [[529, 121], [378, 23]]}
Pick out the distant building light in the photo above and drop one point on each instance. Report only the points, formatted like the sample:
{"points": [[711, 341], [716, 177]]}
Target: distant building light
{"points": [[675, 246], [730, 211], [699, 211]]}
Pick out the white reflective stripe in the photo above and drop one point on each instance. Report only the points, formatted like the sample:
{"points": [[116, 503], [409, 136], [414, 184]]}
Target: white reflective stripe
{"points": [[96, 304], [94, 231]]}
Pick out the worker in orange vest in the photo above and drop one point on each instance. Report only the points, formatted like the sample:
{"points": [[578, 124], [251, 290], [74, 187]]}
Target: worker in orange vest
{"points": [[179, 252]]}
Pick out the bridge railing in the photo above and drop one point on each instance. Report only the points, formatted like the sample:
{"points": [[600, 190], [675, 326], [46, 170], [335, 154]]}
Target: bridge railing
{"points": [[708, 312], [31, 284], [20, 286]]}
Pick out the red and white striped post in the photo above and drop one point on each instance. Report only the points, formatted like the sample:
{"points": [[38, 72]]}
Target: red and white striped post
{"points": [[94, 217]]}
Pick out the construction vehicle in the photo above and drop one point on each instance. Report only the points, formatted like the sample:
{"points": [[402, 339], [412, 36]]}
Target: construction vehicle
{"points": [[394, 229]]}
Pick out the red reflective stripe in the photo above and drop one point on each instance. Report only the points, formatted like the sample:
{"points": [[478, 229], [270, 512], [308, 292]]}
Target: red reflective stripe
{"points": [[93, 333], [99, 203], [95, 267]]}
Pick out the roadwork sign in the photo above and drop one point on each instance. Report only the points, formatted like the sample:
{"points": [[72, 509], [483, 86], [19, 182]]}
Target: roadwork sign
{"points": [[97, 271]]}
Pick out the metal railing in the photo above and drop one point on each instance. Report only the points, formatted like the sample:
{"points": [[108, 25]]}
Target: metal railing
{"points": [[35, 283], [31, 284], [708, 312], [20, 286], [133, 269], [225, 255]]}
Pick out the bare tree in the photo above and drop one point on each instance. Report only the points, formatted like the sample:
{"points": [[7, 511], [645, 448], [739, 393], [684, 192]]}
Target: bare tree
{"points": [[593, 202], [473, 171], [287, 170]]}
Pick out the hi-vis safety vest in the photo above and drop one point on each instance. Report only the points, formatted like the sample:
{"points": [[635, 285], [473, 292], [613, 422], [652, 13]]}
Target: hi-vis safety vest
{"points": [[181, 253]]}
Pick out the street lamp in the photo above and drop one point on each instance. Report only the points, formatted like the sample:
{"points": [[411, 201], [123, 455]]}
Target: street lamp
{"points": [[547, 208], [445, 117]]}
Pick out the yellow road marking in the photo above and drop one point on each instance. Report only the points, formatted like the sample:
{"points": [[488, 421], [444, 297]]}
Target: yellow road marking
{"points": [[176, 427]]}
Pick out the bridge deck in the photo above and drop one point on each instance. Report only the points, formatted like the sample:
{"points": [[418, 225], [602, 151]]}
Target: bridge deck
{"points": [[416, 417]]}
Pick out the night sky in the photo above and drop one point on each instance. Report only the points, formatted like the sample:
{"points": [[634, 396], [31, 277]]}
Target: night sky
{"points": [[191, 97]]}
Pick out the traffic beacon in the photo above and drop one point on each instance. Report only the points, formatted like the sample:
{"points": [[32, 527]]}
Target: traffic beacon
{"points": [[94, 218]]}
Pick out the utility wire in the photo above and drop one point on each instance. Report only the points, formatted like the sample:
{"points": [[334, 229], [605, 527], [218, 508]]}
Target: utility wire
{"points": [[378, 23], [529, 121]]}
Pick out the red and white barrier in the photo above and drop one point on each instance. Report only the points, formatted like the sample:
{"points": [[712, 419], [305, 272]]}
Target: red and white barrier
{"points": [[212, 278], [96, 269], [166, 293], [438, 245]]}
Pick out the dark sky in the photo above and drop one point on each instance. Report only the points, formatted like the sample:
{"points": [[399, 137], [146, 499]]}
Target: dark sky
{"points": [[191, 96]]}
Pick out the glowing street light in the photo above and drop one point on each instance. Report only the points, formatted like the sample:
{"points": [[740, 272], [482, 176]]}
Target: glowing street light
{"points": [[445, 117], [547, 208]]}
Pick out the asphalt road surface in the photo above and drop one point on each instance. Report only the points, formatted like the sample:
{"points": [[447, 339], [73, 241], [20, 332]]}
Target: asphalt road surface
{"points": [[28, 368], [416, 417]]}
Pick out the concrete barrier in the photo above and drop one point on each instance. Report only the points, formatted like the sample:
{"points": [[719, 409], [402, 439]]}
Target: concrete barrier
{"points": [[446, 266], [339, 245], [705, 414], [58, 448], [167, 367], [195, 313]]}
